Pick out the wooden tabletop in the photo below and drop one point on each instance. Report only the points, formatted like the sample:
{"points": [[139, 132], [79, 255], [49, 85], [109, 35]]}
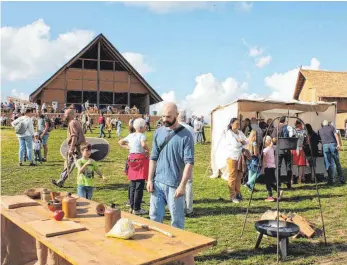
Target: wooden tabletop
{"points": [[92, 247]]}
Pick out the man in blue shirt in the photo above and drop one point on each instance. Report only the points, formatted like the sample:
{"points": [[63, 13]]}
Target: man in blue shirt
{"points": [[170, 168]]}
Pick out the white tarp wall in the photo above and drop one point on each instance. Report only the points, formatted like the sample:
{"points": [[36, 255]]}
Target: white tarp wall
{"points": [[312, 113]]}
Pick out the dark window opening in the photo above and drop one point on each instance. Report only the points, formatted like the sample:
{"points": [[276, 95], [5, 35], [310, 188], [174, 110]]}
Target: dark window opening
{"points": [[93, 65], [92, 53], [106, 98], [120, 98], [91, 96], [74, 97], [139, 101], [77, 64], [106, 66]]}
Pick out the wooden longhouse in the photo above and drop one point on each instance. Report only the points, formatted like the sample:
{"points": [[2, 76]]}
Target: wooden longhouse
{"points": [[317, 85], [100, 74]]}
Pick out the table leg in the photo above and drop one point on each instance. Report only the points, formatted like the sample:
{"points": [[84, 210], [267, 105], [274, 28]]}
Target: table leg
{"points": [[283, 247], [42, 253], [260, 237]]}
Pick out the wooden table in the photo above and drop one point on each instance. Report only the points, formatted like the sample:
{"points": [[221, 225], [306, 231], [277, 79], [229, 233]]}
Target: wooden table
{"points": [[92, 247]]}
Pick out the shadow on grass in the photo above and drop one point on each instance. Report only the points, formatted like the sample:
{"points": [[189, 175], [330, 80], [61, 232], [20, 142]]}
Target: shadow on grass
{"points": [[295, 250], [302, 197], [115, 186]]}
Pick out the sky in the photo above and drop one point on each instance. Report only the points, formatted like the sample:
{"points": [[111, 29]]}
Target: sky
{"points": [[197, 54]]}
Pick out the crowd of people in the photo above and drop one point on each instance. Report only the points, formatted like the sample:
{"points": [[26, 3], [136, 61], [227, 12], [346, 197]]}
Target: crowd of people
{"points": [[250, 150]]}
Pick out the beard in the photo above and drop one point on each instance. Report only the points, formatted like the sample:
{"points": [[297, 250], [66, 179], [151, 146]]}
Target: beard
{"points": [[169, 124]]}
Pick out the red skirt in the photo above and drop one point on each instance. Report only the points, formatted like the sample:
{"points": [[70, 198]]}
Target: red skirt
{"points": [[138, 165], [299, 159]]}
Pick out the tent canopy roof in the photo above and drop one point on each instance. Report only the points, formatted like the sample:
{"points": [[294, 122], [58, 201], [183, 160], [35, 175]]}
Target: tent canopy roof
{"points": [[259, 105]]}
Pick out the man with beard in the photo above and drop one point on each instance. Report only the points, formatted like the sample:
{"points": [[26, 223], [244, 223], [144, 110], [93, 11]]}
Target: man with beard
{"points": [[75, 138], [170, 168]]}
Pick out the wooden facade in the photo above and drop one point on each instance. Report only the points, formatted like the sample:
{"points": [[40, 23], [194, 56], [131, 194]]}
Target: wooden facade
{"points": [[101, 75], [315, 86]]}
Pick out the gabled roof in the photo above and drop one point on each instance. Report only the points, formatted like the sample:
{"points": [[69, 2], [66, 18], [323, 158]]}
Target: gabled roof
{"points": [[114, 53], [326, 83]]}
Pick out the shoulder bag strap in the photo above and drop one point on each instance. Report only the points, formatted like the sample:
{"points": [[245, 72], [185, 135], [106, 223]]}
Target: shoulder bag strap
{"points": [[169, 137]]}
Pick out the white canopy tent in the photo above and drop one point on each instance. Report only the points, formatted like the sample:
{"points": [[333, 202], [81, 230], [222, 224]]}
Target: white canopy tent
{"points": [[312, 113]]}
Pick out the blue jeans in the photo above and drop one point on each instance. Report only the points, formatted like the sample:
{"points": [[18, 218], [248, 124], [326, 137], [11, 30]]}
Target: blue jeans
{"points": [[85, 191], [252, 177], [331, 157], [25, 142], [165, 195], [102, 133]]}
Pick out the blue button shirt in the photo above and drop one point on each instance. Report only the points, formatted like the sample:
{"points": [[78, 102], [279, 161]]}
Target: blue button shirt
{"points": [[172, 159]]}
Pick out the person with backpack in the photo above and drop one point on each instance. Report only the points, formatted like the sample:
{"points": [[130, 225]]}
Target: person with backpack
{"points": [[24, 129], [283, 154], [44, 126], [102, 124]]}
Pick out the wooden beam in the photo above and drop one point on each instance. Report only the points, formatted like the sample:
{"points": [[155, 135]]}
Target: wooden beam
{"points": [[129, 94], [65, 87], [147, 101], [82, 79], [113, 70], [95, 60], [98, 78]]}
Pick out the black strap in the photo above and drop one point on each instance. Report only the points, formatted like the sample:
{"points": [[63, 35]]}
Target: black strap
{"points": [[169, 137]]}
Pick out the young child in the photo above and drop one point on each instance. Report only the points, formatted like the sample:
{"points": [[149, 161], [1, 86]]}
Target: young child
{"points": [[270, 169], [253, 164], [138, 164], [37, 144], [108, 126], [86, 168]]}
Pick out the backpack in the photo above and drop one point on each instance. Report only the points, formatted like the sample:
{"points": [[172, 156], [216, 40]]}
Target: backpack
{"points": [[20, 127]]}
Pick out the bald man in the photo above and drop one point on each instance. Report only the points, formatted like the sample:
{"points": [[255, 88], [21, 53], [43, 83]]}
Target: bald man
{"points": [[170, 168], [75, 138]]}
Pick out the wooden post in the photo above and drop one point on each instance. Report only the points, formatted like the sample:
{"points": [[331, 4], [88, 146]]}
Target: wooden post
{"points": [[82, 79], [65, 86], [98, 78], [147, 102], [113, 71], [129, 94]]}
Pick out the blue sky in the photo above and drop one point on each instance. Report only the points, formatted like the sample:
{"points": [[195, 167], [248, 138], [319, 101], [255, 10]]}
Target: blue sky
{"points": [[180, 42]]}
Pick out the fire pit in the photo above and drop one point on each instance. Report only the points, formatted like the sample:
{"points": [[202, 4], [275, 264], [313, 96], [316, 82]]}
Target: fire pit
{"points": [[269, 227]]}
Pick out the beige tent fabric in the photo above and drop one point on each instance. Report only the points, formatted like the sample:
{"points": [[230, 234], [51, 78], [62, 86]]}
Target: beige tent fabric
{"points": [[18, 248]]}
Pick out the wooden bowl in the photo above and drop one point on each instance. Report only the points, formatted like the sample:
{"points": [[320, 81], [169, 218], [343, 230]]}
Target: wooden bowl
{"points": [[33, 193], [100, 209]]}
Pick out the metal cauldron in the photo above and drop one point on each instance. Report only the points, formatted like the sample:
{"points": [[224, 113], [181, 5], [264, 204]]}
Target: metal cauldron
{"points": [[269, 227]]}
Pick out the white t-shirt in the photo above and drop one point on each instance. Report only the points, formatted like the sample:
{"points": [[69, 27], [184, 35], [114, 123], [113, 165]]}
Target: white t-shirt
{"points": [[134, 142], [37, 144], [197, 126], [233, 148]]}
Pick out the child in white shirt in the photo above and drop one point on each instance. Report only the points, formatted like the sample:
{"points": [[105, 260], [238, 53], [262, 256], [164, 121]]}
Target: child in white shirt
{"points": [[37, 144]]}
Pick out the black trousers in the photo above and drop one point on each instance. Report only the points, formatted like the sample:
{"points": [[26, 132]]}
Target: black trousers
{"points": [[136, 193], [286, 156], [203, 134], [270, 179]]}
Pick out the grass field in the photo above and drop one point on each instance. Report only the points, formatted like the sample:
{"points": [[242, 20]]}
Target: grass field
{"points": [[214, 216]]}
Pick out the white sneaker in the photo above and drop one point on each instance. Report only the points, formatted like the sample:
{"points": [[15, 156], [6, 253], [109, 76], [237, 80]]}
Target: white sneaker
{"points": [[140, 212]]}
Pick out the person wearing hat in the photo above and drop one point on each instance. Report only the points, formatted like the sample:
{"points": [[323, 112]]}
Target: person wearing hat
{"points": [[37, 143], [331, 147]]}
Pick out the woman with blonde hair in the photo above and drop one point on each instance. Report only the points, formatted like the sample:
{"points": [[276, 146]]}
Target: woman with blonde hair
{"points": [[253, 164]]}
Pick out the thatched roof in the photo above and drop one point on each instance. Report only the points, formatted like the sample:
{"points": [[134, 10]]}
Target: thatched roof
{"points": [[326, 83]]}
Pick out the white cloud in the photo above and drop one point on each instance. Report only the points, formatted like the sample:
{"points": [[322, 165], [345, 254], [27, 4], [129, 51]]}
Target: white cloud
{"points": [[166, 7], [20, 95], [262, 61], [283, 84], [29, 51], [137, 60], [244, 6], [208, 93], [255, 51]]}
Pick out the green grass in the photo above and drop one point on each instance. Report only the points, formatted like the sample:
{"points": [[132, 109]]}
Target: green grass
{"points": [[215, 217]]}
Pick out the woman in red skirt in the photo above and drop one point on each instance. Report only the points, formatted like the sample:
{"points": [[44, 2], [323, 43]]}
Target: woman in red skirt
{"points": [[299, 158], [138, 164]]}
